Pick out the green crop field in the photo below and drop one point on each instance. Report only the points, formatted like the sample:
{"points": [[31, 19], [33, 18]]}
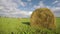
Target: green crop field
{"points": [[22, 26]]}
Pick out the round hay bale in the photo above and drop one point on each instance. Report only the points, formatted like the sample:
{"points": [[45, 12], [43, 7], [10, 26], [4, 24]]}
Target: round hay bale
{"points": [[43, 18]]}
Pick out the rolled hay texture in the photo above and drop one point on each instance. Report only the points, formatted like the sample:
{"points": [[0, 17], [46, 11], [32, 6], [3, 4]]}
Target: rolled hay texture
{"points": [[43, 18]]}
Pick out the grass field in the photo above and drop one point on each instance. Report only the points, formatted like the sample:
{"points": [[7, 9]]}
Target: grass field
{"points": [[22, 26]]}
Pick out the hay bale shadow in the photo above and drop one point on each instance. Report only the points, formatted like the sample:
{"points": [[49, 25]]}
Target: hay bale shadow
{"points": [[27, 23]]}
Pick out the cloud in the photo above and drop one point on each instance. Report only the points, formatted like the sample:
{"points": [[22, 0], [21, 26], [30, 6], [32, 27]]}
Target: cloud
{"points": [[1, 7], [23, 4], [21, 14], [9, 8], [55, 10], [40, 5], [58, 4], [20, 2], [55, 2]]}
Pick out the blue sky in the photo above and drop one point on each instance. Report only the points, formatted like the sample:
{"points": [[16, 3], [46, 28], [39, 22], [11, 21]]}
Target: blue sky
{"points": [[24, 8]]}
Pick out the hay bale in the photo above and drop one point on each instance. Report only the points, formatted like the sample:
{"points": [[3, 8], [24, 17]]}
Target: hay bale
{"points": [[43, 18]]}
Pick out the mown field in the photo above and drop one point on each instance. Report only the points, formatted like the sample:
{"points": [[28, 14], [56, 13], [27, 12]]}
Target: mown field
{"points": [[22, 26]]}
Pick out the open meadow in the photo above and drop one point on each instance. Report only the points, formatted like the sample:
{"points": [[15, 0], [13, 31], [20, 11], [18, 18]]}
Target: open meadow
{"points": [[22, 26]]}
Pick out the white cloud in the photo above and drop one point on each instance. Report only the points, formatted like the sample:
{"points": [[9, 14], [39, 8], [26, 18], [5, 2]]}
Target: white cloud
{"points": [[58, 4], [55, 10], [20, 2], [23, 4], [40, 5], [55, 2], [1, 7], [9, 8], [30, 13]]}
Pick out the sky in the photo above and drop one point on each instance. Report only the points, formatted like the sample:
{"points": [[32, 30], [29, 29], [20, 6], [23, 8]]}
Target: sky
{"points": [[24, 8]]}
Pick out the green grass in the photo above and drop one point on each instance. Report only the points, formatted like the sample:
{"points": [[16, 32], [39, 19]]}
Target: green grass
{"points": [[58, 24], [22, 26]]}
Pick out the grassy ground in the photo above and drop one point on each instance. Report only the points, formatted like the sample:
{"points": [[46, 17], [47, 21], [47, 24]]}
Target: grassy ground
{"points": [[58, 24], [22, 26]]}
